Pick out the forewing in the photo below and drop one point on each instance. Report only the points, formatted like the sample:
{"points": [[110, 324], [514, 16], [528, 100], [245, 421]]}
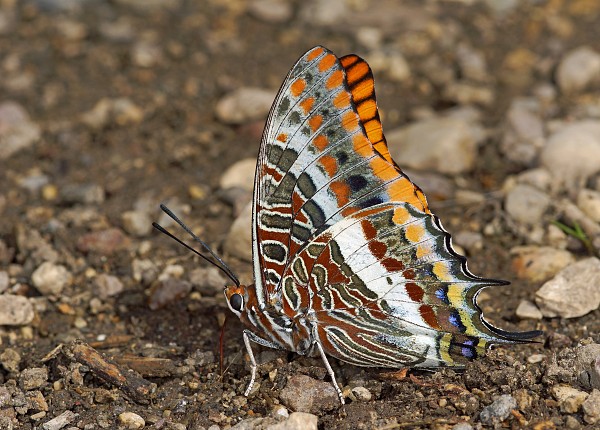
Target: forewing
{"points": [[322, 158]]}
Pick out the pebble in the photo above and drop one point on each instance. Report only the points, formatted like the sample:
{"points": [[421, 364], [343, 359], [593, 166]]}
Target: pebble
{"points": [[538, 178], [591, 408], [324, 13], [106, 286], [573, 292], [472, 241], [60, 421], [10, 359], [131, 420], [244, 105], [305, 394], [472, 63], [280, 412], [271, 11], [33, 378], [208, 280], [120, 111], [238, 242], [82, 193], [136, 223], [15, 310], [539, 263], [17, 131], [569, 398], [296, 421], [579, 68], [50, 279], [166, 291], [445, 145], [361, 394], [528, 310], [392, 63], [588, 365], [462, 426], [589, 203], [105, 242], [526, 204], [464, 93], [498, 411], [524, 135], [145, 53], [239, 175], [4, 281], [573, 153], [144, 271]]}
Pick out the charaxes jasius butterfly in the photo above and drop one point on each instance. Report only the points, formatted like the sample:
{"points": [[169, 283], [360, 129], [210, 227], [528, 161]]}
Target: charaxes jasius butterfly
{"points": [[349, 261]]}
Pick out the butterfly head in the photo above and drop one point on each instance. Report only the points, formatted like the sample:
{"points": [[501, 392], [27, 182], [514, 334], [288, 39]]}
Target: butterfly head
{"points": [[237, 298]]}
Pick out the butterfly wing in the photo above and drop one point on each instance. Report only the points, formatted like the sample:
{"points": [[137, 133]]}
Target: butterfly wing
{"points": [[340, 230], [317, 162]]}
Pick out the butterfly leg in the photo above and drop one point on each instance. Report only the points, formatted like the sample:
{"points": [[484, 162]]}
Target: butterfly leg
{"points": [[249, 336], [330, 371]]}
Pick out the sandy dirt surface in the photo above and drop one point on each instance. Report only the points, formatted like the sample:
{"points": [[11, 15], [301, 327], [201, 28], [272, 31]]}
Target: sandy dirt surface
{"points": [[117, 102]]}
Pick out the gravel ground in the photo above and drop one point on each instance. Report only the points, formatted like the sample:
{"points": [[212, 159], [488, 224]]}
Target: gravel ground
{"points": [[109, 108]]}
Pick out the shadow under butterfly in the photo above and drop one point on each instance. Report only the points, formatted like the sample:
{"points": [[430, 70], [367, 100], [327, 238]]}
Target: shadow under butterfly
{"points": [[348, 260]]}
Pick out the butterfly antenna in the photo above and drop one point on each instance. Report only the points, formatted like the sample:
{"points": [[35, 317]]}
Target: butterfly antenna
{"points": [[222, 266]]}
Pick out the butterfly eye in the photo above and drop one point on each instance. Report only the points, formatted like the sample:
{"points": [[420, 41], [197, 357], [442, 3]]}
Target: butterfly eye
{"points": [[236, 302]]}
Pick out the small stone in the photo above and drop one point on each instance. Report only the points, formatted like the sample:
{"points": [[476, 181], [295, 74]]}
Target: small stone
{"points": [[238, 242], [528, 310], [131, 420], [526, 204], [50, 279], [240, 175], [578, 69], [10, 359], [105, 242], [106, 286], [166, 291], [524, 135], [569, 398], [588, 365], [4, 281], [36, 401], [589, 202], [32, 378], [60, 421], [362, 394], [144, 271], [573, 292], [393, 64], [208, 280], [280, 412], [296, 421], [462, 426], [146, 54], [244, 105], [136, 223], [305, 394], [573, 153], [446, 145], [498, 411], [324, 13], [470, 240], [121, 111], [535, 358], [86, 194], [472, 63], [17, 131], [15, 310], [539, 263], [272, 11], [465, 93], [591, 408], [538, 178]]}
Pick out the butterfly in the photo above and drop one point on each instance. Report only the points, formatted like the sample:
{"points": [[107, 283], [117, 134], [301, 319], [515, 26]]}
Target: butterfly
{"points": [[348, 260]]}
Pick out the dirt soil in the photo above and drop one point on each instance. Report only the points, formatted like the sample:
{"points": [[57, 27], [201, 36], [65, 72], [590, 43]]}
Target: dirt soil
{"points": [[174, 60]]}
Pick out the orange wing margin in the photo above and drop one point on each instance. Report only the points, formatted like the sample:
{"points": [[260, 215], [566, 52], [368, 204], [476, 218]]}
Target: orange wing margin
{"points": [[359, 79]]}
